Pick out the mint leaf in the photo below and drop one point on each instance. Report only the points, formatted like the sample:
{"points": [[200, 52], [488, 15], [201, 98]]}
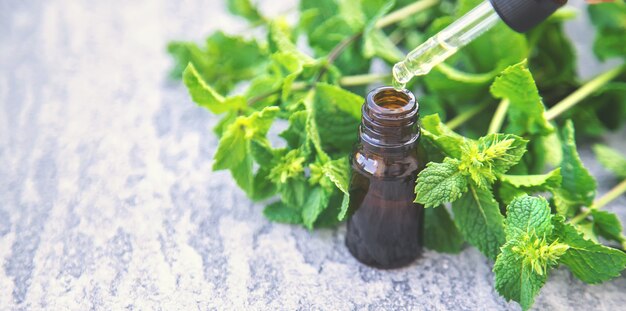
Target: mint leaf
{"points": [[491, 156], [516, 280], [589, 261], [344, 100], [287, 67], [440, 232], [294, 193], [477, 215], [261, 188], [317, 200], [440, 183], [610, 29], [526, 110], [522, 267], [528, 215], [280, 40], [441, 136], [611, 160], [245, 9], [233, 149], [205, 96], [578, 186], [224, 61], [295, 135], [512, 186], [541, 182], [336, 117], [608, 226], [280, 212], [262, 152], [338, 171]]}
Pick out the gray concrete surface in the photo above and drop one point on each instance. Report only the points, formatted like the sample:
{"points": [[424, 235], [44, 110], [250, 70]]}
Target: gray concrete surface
{"points": [[108, 202]]}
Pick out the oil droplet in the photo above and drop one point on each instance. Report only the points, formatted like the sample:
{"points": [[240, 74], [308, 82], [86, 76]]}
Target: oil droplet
{"points": [[399, 86]]}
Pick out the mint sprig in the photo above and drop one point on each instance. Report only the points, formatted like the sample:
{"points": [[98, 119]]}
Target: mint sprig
{"points": [[487, 170]]}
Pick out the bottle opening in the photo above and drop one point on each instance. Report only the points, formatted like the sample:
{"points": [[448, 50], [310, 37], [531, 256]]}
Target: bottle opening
{"points": [[389, 102], [389, 118]]}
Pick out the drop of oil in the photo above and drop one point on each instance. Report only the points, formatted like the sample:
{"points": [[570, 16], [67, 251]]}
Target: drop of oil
{"points": [[399, 86]]}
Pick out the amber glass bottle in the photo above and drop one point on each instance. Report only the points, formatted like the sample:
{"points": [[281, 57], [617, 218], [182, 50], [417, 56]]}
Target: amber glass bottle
{"points": [[384, 225]]}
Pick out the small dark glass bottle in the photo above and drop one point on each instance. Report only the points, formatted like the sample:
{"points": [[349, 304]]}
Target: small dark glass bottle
{"points": [[385, 227]]}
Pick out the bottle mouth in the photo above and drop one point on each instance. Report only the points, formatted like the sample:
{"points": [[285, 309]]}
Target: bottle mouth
{"points": [[389, 118], [387, 103]]}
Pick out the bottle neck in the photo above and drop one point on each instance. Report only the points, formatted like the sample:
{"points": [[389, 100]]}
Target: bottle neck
{"points": [[389, 122]]}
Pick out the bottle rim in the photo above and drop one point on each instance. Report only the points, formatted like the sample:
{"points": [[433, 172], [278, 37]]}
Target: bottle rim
{"points": [[375, 103]]}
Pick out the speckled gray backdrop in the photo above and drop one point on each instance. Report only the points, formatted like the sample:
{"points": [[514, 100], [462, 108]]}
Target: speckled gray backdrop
{"points": [[108, 202]]}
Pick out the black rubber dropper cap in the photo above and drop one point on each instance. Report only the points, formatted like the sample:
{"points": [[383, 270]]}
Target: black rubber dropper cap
{"points": [[522, 15]]}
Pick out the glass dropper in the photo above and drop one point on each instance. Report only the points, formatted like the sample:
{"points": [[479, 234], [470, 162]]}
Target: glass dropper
{"points": [[445, 43], [519, 15]]}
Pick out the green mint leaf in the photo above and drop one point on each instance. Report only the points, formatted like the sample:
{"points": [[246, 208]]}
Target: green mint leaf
{"points": [[261, 188], [294, 193], [242, 173], [338, 171], [578, 186], [589, 261], [512, 186], [526, 110], [342, 99], [331, 33], [295, 135], [345, 205], [351, 11], [528, 215], [516, 279], [377, 43], [263, 153], [610, 29], [245, 9], [288, 167], [221, 126], [477, 215], [611, 160], [522, 267], [317, 200], [233, 149], [440, 232], [286, 66], [223, 62], [541, 182], [185, 53], [202, 94], [320, 10], [335, 114], [608, 226], [491, 156], [280, 212], [280, 40], [441, 136], [440, 183]]}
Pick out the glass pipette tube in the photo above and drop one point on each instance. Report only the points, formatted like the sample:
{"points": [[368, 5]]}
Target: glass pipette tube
{"points": [[445, 43]]}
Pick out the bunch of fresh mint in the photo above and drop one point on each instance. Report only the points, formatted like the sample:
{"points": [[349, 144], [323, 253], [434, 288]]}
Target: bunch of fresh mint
{"points": [[487, 87]]}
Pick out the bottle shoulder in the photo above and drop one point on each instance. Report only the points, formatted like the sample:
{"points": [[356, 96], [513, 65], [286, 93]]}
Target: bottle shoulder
{"points": [[384, 165]]}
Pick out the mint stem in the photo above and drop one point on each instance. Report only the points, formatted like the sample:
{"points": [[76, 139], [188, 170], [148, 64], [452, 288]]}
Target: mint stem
{"points": [[404, 12], [466, 115], [601, 202], [584, 91], [362, 79], [498, 117]]}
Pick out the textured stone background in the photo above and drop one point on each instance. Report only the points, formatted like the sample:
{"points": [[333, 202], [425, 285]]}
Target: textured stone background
{"points": [[107, 199]]}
